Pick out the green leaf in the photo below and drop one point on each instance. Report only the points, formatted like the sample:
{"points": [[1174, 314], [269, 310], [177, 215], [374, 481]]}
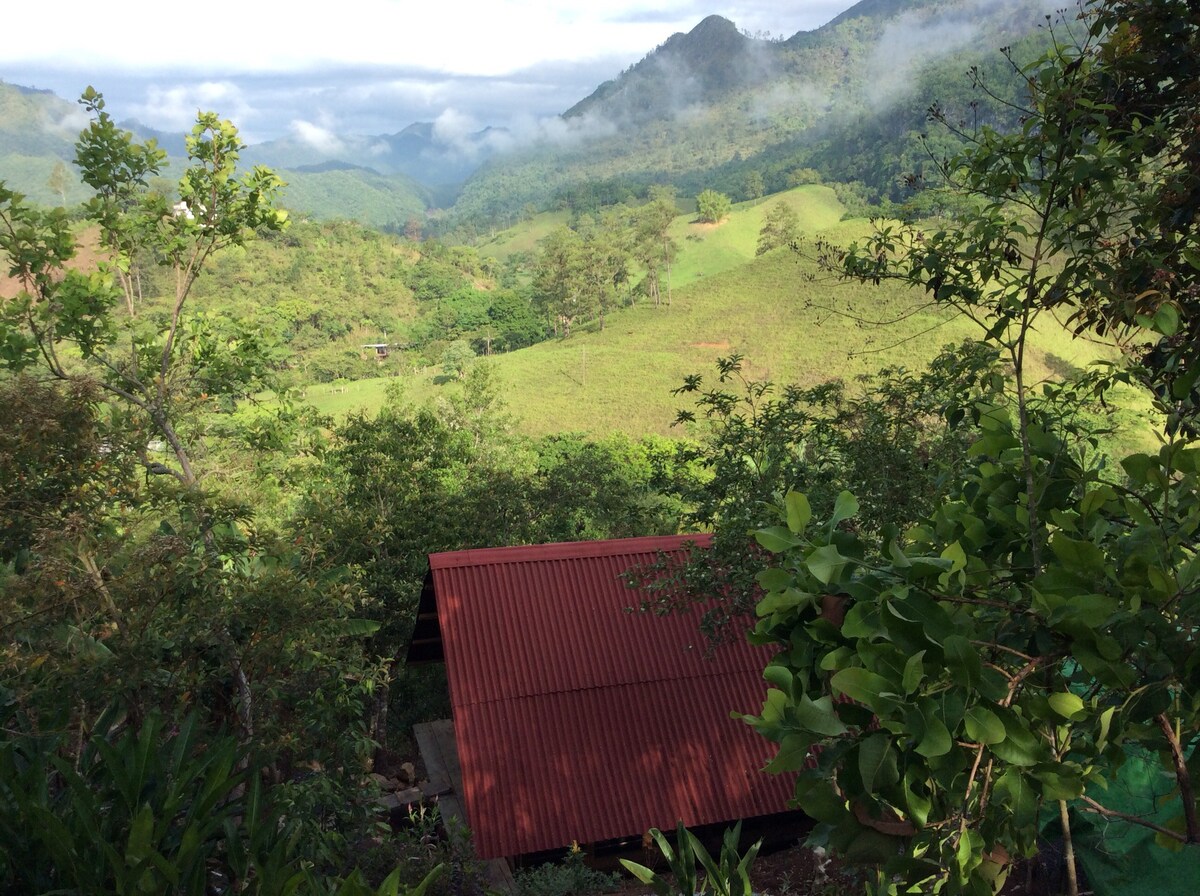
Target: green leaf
{"points": [[352, 628], [844, 508], [1166, 319], [773, 579], [793, 754], [825, 563], [983, 726], [1020, 747], [864, 686], [914, 672], [1077, 556], [1059, 783], [1067, 705], [776, 539], [877, 763], [819, 716], [962, 661], [957, 557], [799, 513], [780, 676], [1105, 723], [936, 741]]}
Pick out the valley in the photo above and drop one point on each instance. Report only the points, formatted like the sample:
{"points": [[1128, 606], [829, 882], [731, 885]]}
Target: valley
{"points": [[889, 328]]}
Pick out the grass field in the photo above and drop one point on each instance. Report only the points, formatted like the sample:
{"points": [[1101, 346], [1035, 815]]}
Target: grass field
{"points": [[792, 324]]}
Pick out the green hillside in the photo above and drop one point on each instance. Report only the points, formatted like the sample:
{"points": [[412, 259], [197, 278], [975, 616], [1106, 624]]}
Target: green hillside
{"points": [[357, 194], [793, 323]]}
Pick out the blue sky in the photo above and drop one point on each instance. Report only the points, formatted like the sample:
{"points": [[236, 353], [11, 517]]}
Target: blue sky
{"points": [[356, 66]]}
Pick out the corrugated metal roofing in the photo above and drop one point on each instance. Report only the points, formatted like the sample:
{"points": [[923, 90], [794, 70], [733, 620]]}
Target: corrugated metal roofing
{"points": [[579, 720]]}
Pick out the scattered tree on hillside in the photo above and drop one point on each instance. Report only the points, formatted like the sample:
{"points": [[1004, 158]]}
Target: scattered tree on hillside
{"points": [[652, 244], [59, 180], [781, 227], [457, 358], [753, 186], [156, 571], [559, 281], [712, 207]]}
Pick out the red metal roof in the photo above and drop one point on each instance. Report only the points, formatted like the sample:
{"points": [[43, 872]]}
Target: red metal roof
{"points": [[579, 720]]}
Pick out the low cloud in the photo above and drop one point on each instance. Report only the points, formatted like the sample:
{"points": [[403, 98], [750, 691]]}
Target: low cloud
{"points": [[174, 108], [915, 38], [319, 138], [69, 124]]}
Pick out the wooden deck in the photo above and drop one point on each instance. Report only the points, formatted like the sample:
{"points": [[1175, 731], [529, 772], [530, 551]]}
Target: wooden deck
{"points": [[439, 752]]}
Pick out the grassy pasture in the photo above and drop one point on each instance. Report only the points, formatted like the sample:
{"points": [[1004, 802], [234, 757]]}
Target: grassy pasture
{"points": [[789, 328], [792, 323]]}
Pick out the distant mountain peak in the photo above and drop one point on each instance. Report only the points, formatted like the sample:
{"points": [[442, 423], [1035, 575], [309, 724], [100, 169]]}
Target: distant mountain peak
{"points": [[709, 61]]}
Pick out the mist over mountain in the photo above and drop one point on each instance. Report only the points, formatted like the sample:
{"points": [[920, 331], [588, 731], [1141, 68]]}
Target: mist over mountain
{"points": [[710, 107], [719, 108]]}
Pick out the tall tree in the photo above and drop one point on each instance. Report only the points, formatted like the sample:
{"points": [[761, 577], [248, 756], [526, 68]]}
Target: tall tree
{"points": [[653, 247], [781, 227]]}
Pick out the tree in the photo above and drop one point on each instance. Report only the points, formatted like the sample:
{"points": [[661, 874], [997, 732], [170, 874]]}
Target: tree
{"points": [[712, 206], [59, 180], [884, 437], [558, 279], [1037, 630], [156, 375], [781, 227], [653, 247], [457, 358], [121, 579], [753, 186]]}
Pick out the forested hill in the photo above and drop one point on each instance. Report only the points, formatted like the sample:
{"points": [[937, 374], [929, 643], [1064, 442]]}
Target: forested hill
{"points": [[719, 108]]}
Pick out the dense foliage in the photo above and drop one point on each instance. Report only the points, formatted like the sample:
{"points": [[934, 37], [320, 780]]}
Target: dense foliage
{"points": [[1035, 632]]}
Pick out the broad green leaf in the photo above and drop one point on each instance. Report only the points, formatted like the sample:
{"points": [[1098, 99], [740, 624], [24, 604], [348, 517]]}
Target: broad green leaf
{"points": [[819, 716], [773, 705], [916, 804], [780, 676], [1076, 555], [793, 753], [781, 601], [1166, 319], [983, 726], [846, 507], [1105, 723], [1066, 704], [1018, 797], [773, 579], [936, 741], [799, 513], [864, 686], [877, 763], [1020, 747], [956, 555], [352, 628], [776, 539], [914, 672], [825, 563], [962, 661], [1059, 783]]}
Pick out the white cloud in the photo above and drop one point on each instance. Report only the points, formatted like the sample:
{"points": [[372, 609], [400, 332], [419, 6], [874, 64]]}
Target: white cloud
{"points": [[473, 37], [453, 126], [319, 138], [174, 108]]}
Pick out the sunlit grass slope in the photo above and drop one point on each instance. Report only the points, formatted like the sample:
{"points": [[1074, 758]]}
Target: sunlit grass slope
{"points": [[791, 322], [789, 326]]}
